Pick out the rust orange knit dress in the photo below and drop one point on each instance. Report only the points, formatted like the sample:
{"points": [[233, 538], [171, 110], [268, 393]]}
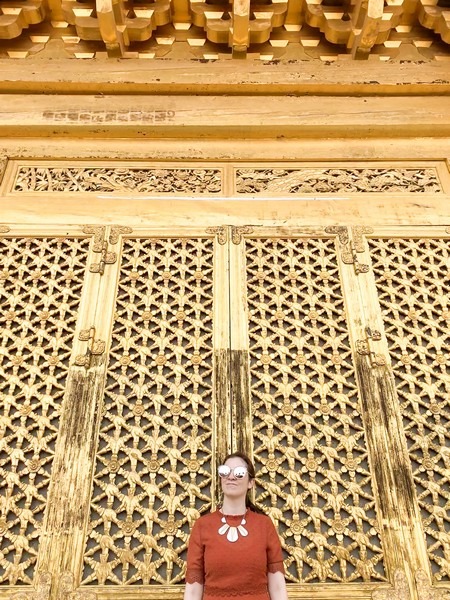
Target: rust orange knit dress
{"points": [[232, 570]]}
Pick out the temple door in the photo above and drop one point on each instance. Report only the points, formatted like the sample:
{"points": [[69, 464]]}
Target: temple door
{"points": [[134, 358]]}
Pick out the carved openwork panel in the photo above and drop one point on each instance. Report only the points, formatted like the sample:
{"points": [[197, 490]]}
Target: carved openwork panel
{"points": [[335, 180], [118, 179], [214, 179], [309, 445], [153, 464], [40, 288], [413, 284]]}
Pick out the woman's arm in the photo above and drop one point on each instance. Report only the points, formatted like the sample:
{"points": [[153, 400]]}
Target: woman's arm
{"points": [[193, 591], [277, 586]]}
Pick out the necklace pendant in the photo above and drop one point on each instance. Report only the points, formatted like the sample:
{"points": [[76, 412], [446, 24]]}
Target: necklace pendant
{"points": [[232, 531], [224, 529], [232, 534]]}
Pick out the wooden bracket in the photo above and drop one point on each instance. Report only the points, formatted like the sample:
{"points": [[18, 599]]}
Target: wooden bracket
{"points": [[221, 232], [238, 232], [101, 245], [351, 245]]}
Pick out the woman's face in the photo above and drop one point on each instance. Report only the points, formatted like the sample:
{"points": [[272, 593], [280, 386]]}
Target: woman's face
{"points": [[232, 486]]}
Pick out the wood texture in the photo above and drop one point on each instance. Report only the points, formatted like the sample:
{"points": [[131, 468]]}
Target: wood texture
{"points": [[177, 117]]}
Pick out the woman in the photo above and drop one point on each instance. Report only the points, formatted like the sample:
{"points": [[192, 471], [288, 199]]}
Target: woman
{"points": [[235, 552]]}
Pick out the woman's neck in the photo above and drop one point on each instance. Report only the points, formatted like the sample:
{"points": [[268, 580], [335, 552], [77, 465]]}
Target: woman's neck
{"points": [[233, 507]]}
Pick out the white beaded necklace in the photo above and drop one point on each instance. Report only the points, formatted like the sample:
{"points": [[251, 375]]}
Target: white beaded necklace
{"points": [[231, 531]]}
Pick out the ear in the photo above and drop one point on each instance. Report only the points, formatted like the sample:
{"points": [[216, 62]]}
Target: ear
{"points": [[251, 483]]}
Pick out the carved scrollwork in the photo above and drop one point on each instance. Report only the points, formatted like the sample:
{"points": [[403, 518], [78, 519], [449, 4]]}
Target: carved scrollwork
{"points": [[399, 591], [351, 245], [143, 180], [117, 231], [357, 236], [425, 591], [221, 232], [238, 232], [41, 590], [340, 231], [334, 180], [343, 235], [68, 591], [98, 231]]}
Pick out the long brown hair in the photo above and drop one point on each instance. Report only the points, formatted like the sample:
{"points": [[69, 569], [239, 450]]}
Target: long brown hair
{"points": [[252, 475]]}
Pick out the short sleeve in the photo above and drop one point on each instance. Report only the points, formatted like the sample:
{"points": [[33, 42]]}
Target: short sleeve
{"points": [[195, 572], [274, 552]]}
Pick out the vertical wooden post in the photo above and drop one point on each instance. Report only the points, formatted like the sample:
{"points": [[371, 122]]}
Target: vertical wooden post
{"points": [[69, 496]]}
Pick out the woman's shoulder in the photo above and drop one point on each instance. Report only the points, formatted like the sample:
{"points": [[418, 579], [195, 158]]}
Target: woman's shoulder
{"points": [[262, 518], [207, 518]]}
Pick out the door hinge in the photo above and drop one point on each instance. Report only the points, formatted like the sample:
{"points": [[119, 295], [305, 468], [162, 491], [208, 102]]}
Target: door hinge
{"points": [[102, 245], [351, 244], [365, 347], [357, 266], [94, 348]]}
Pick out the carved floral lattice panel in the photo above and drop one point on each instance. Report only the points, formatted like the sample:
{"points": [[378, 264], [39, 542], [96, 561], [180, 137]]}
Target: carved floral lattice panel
{"points": [[334, 180], [413, 284], [153, 464], [40, 287], [309, 445], [118, 179]]}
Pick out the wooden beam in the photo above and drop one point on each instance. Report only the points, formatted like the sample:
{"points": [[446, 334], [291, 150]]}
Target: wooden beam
{"points": [[240, 33], [112, 26], [56, 10], [367, 18], [240, 78], [216, 116]]}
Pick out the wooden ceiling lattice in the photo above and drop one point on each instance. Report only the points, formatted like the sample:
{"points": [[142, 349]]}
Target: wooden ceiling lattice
{"points": [[213, 29]]}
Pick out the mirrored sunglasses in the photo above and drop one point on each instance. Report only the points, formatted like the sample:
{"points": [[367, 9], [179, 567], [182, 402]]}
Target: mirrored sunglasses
{"points": [[239, 472]]}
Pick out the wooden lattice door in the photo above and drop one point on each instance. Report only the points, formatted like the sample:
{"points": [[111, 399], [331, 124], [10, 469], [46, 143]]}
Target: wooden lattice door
{"points": [[133, 359], [347, 402]]}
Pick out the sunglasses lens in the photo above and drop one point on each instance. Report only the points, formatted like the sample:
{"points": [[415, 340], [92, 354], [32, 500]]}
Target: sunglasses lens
{"points": [[239, 472], [224, 471]]}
